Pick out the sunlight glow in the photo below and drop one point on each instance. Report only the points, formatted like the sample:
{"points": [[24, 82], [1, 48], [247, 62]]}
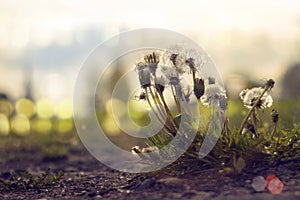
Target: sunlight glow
{"points": [[4, 39], [54, 87]]}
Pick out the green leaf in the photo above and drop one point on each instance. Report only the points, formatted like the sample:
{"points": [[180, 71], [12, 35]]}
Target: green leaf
{"points": [[239, 164]]}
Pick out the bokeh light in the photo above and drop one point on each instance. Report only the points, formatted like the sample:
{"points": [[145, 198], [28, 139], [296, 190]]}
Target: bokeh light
{"points": [[110, 127], [45, 108], [6, 107], [64, 109], [4, 125], [42, 126], [64, 126], [117, 105], [20, 125], [138, 113], [26, 107]]}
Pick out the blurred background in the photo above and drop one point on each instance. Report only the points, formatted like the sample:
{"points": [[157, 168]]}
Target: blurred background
{"points": [[43, 44]]}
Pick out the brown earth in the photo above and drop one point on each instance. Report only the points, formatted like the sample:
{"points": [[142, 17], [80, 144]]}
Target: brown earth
{"points": [[86, 178]]}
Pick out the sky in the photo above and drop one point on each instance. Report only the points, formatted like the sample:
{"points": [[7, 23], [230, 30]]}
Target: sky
{"points": [[55, 36]]}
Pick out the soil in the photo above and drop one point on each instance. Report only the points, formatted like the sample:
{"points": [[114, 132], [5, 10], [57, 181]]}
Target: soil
{"points": [[86, 178]]}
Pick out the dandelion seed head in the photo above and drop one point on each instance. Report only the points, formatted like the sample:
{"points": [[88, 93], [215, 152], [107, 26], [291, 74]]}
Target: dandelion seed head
{"points": [[193, 59], [171, 74], [213, 92], [174, 58], [250, 96]]}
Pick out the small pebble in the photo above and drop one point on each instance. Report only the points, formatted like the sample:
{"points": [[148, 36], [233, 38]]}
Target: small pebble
{"points": [[148, 183], [274, 185], [258, 183], [92, 193]]}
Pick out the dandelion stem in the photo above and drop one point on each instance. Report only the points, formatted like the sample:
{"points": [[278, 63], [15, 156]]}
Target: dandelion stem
{"points": [[169, 124], [155, 113], [157, 103], [267, 87], [274, 130], [169, 115], [254, 119], [176, 100]]}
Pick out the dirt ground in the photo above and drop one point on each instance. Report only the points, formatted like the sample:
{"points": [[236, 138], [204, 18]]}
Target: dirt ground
{"points": [[85, 178]]}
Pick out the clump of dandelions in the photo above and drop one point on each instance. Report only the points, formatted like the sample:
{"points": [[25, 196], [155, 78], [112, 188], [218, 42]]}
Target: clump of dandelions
{"points": [[177, 69]]}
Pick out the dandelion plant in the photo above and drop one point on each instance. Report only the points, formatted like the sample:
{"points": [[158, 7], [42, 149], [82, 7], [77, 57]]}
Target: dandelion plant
{"points": [[179, 70]]}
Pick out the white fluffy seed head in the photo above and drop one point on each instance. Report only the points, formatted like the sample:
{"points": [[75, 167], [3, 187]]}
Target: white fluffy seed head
{"points": [[250, 96], [213, 91]]}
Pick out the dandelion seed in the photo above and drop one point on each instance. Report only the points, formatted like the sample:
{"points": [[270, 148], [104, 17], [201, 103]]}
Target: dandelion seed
{"points": [[250, 96]]}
